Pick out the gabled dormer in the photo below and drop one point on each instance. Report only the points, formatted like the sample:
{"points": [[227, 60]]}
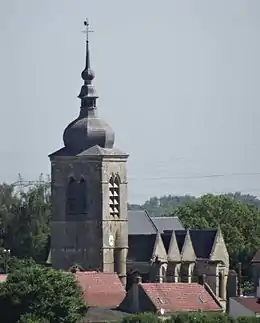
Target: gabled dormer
{"points": [[159, 253], [219, 251], [188, 258], [173, 251], [188, 253]]}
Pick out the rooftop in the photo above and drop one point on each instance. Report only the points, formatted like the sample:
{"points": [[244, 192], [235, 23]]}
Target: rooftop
{"points": [[101, 289], [250, 302], [178, 297]]}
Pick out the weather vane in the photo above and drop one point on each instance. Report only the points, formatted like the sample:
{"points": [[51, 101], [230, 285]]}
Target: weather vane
{"points": [[87, 31]]}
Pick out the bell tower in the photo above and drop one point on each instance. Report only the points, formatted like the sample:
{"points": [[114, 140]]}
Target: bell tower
{"points": [[89, 191]]}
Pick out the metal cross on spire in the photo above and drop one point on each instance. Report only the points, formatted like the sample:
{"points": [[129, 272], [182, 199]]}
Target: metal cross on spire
{"points": [[88, 30]]}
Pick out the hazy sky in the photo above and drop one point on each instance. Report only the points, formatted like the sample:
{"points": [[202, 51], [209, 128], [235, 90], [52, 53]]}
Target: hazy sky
{"points": [[178, 81]]}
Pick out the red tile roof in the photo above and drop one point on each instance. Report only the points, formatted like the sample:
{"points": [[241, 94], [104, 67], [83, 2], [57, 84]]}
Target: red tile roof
{"points": [[2, 278], [250, 302], [176, 297], [101, 289]]}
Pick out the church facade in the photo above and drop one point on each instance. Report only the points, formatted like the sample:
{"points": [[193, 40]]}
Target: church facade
{"points": [[89, 224]]}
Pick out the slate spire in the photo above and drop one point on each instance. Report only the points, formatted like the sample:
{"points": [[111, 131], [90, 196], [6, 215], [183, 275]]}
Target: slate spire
{"points": [[88, 93], [87, 130]]}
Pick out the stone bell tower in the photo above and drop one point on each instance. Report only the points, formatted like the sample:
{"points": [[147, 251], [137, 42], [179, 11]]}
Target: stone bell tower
{"points": [[89, 191]]}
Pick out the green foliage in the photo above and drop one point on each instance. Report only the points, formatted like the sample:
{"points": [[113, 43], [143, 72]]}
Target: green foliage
{"points": [[140, 318], [158, 206], [24, 220], [189, 318], [31, 318], [240, 223], [43, 293]]}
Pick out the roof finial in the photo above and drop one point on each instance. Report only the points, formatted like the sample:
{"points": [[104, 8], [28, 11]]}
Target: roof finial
{"points": [[87, 93], [87, 74], [87, 31]]}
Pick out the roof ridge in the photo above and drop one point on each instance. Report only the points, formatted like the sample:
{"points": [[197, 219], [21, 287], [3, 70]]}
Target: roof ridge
{"points": [[150, 218]]}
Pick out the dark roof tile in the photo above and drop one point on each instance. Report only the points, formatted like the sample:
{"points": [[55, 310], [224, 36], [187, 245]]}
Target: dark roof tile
{"points": [[167, 223], [139, 222]]}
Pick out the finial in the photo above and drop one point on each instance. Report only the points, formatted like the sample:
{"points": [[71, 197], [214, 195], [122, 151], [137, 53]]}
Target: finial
{"points": [[87, 75], [87, 94], [87, 31]]}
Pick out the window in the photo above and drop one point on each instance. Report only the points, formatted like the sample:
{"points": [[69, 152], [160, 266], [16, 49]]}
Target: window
{"points": [[82, 196], [76, 197], [114, 196], [71, 206]]}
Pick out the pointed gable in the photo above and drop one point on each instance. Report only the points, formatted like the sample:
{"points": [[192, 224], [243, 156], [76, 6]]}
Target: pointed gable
{"points": [[188, 253], [219, 250], [159, 251]]}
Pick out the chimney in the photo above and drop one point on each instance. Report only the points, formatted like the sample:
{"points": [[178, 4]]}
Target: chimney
{"points": [[202, 279], [135, 293]]}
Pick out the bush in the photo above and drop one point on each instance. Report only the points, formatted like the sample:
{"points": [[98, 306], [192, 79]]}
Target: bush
{"points": [[189, 318], [31, 318], [42, 293]]}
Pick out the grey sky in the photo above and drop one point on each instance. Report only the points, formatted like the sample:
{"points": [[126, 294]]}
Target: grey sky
{"points": [[178, 81]]}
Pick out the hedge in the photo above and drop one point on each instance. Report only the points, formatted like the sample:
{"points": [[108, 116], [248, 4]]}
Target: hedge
{"points": [[189, 318]]}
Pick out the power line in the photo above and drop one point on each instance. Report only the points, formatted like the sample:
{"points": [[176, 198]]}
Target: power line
{"points": [[25, 183], [153, 178]]}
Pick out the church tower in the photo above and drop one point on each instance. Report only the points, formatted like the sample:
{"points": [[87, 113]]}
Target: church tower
{"points": [[89, 191]]}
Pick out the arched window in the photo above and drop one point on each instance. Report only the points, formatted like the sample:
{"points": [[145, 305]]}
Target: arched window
{"points": [[82, 196], [114, 196], [76, 197], [71, 205], [220, 285]]}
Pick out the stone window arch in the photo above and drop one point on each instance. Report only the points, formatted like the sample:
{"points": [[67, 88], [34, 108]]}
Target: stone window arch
{"points": [[114, 195]]}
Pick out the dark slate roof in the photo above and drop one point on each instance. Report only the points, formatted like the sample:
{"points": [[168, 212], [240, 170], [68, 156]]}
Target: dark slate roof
{"points": [[139, 222], [141, 247], [167, 223], [180, 237], [100, 151], [166, 238], [202, 240]]}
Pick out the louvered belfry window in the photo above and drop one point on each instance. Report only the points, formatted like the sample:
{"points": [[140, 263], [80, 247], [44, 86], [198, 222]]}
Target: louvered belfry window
{"points": [[114, 196]]}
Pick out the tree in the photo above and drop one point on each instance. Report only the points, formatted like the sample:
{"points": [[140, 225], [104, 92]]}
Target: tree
{"points": [[164, 205], [158, 206], [43, 293], [240, 223], [24, 219]]}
